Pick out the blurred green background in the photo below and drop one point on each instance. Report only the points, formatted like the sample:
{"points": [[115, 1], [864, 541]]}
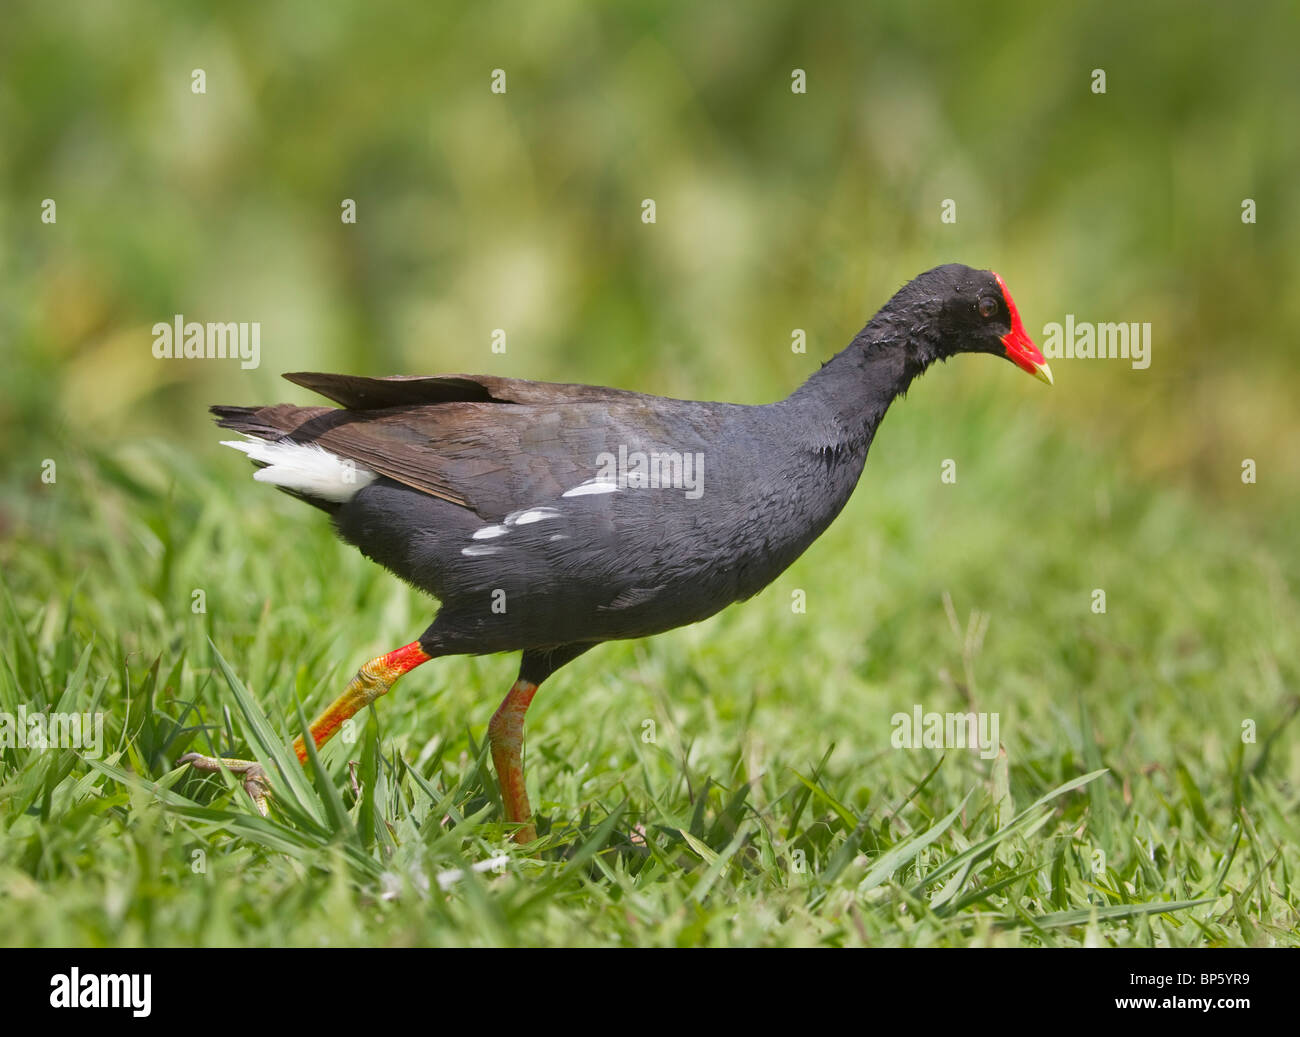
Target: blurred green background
{"points": [[775, 211], [522, 211]]}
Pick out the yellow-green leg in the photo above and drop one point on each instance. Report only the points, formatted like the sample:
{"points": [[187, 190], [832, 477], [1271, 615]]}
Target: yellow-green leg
{"points": [[371, 681]]}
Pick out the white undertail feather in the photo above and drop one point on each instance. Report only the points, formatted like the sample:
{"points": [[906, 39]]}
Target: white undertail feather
{"points": [[305, 468]]}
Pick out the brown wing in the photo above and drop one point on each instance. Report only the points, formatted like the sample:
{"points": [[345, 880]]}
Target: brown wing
{"points": [[360, 393], [463, 438]]}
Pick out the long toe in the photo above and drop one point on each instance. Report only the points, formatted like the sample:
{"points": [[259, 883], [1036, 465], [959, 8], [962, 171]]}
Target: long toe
{"points": [[256, 783]]}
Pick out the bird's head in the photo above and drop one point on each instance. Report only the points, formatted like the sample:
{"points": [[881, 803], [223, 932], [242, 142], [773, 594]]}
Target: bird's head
{"points": [[971, 311]]}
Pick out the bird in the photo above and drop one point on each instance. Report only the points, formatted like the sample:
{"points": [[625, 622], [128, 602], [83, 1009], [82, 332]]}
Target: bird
{"points": [[548, 518]]}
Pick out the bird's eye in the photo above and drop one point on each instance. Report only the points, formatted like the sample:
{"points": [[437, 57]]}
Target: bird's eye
{"points": [[988, 307]]}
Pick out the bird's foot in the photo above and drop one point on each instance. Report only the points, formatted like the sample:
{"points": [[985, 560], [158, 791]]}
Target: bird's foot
{"points": [[256, 783]]}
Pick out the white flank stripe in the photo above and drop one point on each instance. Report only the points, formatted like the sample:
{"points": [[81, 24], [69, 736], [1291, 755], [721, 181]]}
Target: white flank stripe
{"points": [[536, 515], [478, 551], [305, 468], [591, 486]]}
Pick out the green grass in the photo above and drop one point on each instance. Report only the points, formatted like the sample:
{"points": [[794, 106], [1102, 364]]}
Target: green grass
{"points": [[731, 783]]}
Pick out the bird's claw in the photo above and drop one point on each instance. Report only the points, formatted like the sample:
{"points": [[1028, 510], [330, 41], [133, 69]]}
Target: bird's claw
{"points": [[256, 783]]}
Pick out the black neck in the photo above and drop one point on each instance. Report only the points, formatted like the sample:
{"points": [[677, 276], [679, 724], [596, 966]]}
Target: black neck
{"points": [[844, 402]]}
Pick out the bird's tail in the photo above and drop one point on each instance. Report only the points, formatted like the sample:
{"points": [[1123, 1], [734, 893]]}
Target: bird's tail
{"points": [[247, 420], [306, 470]]}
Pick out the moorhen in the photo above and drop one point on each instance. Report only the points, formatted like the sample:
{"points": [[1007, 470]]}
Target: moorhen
{"points": [[547, 518]]}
